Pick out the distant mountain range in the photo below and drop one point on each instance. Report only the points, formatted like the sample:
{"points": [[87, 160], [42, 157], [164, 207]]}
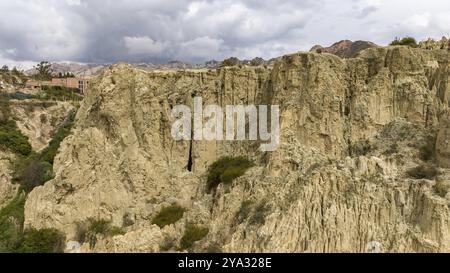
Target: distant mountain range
{"points": [[344, 48]]}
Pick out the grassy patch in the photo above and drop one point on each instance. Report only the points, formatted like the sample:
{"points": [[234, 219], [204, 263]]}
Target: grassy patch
{"points": [[42, 241], [168, 215], [60, 93], [226, 169], [11, 224], [10, 136], [423, 171], [36, 169], [427, 151], [192, 234], [49, 153]]}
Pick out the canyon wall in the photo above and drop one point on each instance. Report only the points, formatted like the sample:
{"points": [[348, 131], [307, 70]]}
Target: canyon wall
{"points": [[351, 131]]}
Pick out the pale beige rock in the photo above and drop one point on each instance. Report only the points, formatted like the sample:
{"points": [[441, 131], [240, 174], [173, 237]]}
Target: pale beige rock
{"points": [[38, 120]]}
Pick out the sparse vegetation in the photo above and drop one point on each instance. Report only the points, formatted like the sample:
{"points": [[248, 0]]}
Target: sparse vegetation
{"points": [[17, 96], [244, 211], [260, 213], [60, 93], [226, 169], [30, 172], [424, 171], [49, 153], [11, 224], [407, 41], [10, 136], [42, 241], [232, 61], [428, 150], [192, 234], [213, 248], [361, 148], [167, 244], [392, 149], [168, 215], [96, 227], [36, 169], [44, 71]]}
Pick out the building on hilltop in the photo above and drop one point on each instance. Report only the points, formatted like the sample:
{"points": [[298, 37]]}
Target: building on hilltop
{"points": [[76, 83]]}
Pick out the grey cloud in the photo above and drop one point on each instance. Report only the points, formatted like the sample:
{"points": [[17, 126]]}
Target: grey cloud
{"points": [[163, 30]]}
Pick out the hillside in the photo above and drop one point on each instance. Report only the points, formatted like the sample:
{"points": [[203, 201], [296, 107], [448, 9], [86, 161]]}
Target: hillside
{"points": [[362, 165]]}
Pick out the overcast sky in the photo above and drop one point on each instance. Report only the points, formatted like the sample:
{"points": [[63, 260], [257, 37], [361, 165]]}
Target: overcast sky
{"points": [[99, 31]]}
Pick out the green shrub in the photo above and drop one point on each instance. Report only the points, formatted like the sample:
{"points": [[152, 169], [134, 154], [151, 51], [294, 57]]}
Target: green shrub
{"points": [[361, 148], [17, 96], [225, 170], [10, 136], [244, 211], [232, 61], [42, 241], [213, 248], [260, 213], [98, 227], [36, 169], [168, 215], [441, 188], [60, 93], [407, 41], [31, 173], [49, 153], [11, 224], [392, 149], [428, 150], [15, 141], [192, 234], [424, 171]]}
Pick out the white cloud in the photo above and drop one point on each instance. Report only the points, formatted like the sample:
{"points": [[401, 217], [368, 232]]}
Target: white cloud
{"points": [[200, 48], [143, 45], [161, 30], [418, 20]]}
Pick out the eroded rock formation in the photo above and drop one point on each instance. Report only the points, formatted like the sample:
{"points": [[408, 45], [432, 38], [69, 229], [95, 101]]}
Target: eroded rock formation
{"points": [[351, 129]]}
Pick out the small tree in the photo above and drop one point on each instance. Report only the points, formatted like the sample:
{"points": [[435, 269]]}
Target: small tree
{"points": [[44, 71], [407, 41], [4, 69], [232, 61]]}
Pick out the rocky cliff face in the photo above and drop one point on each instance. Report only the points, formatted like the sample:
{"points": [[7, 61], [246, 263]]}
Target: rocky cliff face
{"points": [[39, 120], [352, 131]]}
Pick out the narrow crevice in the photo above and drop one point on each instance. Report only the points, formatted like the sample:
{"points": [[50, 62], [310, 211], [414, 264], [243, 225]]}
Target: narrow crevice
{"points": [[190, 161], [191, 143]]}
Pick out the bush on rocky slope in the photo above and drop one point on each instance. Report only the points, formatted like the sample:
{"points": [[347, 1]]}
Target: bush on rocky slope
{"points": [[192, 234], [42, 241], [36, 169], [424, 171], [168, 215], [10, 136], [226, 169], [11, 224], [407, 41]]}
